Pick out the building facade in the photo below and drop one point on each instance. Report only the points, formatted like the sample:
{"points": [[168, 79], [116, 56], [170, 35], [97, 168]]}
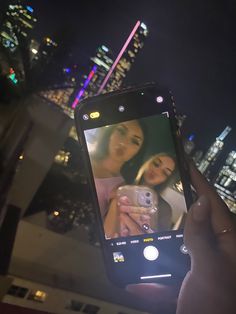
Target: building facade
{"points": [[135, 43], [19, 20], [213, 153], [91, 82], [225, 182]]}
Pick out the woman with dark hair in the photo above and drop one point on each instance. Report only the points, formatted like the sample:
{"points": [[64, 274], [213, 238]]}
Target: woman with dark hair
{"points": [[116, 145], [156, 173]]}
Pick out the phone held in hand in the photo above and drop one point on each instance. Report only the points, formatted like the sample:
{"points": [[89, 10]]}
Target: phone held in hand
{"points": [[139, 182], [139, 196]]}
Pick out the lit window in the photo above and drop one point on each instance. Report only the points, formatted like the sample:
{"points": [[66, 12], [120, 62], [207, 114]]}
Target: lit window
{"points": [[38, 296]]}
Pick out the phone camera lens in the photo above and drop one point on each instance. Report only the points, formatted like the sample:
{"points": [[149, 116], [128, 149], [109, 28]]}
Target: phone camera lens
{"points": [[148, 194], [121, 108], [148, 202], [85, 117], [159, 99]]}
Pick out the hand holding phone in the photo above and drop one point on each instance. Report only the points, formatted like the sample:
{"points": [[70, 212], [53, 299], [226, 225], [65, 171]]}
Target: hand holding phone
{"points": [[117, 145], [139, 203]]}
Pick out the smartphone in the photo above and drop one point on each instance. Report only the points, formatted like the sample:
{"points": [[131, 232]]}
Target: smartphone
{"points": [[142, 209], [131, 137], [139, 196]]}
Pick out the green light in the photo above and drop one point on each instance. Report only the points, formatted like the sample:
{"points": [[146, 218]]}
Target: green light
{"points": [[13, 78]]}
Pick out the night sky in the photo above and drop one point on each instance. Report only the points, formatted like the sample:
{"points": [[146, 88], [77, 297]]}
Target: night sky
{"points": [[191, 49]]}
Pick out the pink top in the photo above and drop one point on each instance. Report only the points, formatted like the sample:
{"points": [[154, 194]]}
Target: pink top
{"points": [[104, 187]]}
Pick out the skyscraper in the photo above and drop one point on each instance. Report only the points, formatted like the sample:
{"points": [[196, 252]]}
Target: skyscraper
{"points": [[90, 84], [189, 144], [213, 152], [125, 58], [19, 20], [226, 181]]}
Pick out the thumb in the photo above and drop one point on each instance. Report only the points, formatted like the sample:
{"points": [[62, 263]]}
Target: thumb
{"points": [[198, 233]]}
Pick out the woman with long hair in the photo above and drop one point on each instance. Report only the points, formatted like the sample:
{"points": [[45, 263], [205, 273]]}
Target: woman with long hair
{"points": [[156, 173], [116, 145]]}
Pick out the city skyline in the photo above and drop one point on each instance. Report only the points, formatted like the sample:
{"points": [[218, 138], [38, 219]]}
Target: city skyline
{"points": [[193, 57], [190, 50]]}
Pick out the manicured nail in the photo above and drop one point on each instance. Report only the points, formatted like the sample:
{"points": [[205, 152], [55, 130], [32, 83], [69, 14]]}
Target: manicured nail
{"points": [[200, 208]]}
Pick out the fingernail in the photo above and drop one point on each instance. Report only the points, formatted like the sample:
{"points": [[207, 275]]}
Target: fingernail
{"points": [[124, 200], [124, 232], [199, 208], [145, 218]]}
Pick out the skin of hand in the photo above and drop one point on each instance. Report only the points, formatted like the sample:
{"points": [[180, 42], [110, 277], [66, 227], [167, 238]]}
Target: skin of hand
{"points": [[132, 218], [111, 222], [209, 287]]}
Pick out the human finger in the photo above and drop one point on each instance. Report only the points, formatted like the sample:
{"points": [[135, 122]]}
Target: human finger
{"points": [[198, 234], [134, 209], [160, 296], [123, 200], [124, 231], [144, 221], [133, 227]]}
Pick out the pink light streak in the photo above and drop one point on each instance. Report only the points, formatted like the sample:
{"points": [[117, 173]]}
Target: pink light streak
{"points": [[118, 57], [81, 92]]}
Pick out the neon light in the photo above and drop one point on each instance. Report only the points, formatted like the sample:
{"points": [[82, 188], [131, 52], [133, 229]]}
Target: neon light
{"points": [[191, 137], [118, 57], [81, 92], [143, 26], [30, 9], [105, 48]]}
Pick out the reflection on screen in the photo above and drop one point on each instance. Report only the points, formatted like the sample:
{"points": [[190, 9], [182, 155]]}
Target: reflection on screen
{"points": [[136, 175]]}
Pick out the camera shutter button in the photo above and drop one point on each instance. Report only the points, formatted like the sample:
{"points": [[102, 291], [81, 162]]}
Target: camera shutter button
{"points": [[151, 253]]}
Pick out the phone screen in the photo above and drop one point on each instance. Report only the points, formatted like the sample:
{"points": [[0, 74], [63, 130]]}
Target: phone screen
{"points": [[139, 192]]}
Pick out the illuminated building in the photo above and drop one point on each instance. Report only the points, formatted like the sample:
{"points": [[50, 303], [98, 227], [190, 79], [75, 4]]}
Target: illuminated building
{"points": [[82, 91], [101, 64], [47, 49], [197, 157], [106, 75], [60, 97], [189, 144], [34, 49], [226, 181], [18, 22], [213, 152], [125, 58], [59, 94]]}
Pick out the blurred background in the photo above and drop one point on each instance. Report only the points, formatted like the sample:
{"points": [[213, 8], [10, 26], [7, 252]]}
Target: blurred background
{"points": [[53, 55]]}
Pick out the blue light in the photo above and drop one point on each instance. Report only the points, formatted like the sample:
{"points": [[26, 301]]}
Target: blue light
{"points": [[30, 9], [191, 137], [67, 70], [105, 48]]}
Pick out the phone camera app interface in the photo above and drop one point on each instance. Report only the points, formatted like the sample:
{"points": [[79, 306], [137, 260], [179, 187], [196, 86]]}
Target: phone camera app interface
{"points": [[137, 178]]}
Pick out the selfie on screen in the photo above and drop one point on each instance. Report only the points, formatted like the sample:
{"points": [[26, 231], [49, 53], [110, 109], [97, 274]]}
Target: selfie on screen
{"points": [[136, 177]]}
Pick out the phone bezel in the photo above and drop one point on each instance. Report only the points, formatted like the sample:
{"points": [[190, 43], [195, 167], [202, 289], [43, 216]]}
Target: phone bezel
{"points": [[106, 104]]}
